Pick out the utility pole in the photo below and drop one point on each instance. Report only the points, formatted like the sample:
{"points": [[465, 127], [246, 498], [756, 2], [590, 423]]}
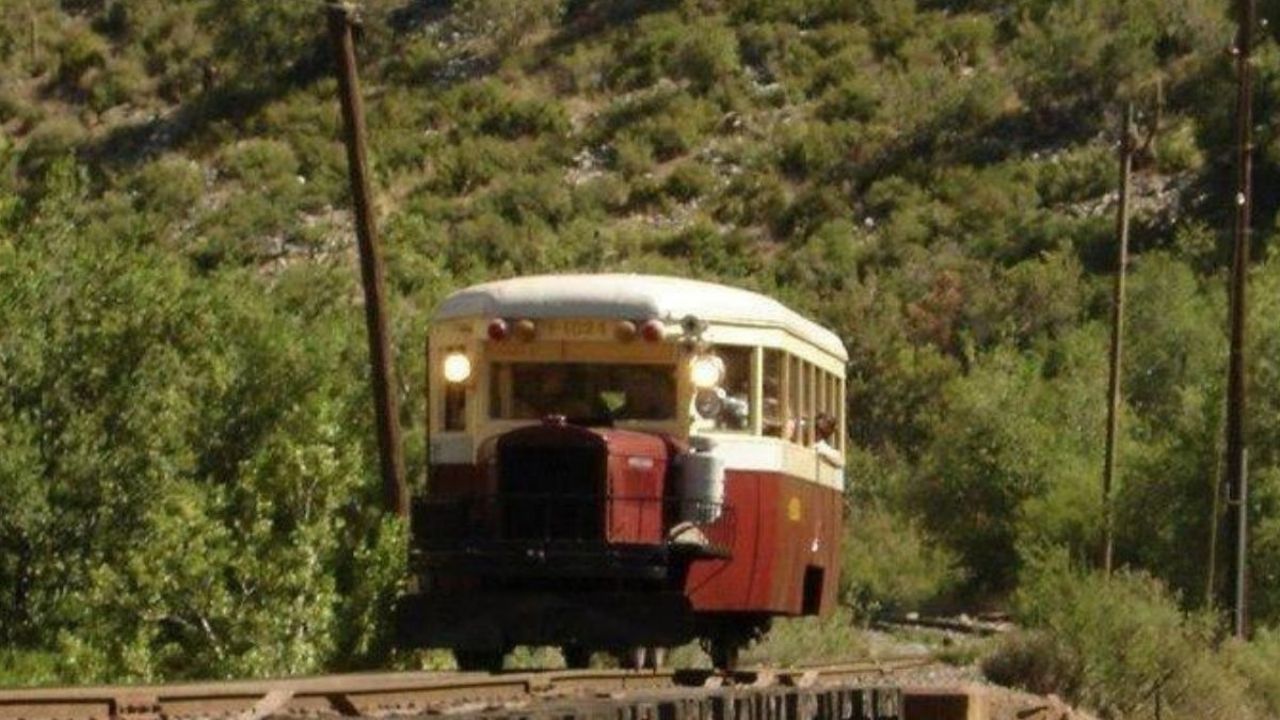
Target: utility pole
{"points": [[1237, 476], [386, 410], [1117, 335]]}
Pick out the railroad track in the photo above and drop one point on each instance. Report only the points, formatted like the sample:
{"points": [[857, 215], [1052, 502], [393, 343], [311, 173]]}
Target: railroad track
{"points": [[851, 690]]}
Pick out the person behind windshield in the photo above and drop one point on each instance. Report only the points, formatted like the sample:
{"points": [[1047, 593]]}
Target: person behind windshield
{"points": [[647, 394]]}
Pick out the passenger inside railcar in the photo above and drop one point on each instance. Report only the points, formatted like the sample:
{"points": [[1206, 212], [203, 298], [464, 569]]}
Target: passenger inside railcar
{"points": [[592, 394]]}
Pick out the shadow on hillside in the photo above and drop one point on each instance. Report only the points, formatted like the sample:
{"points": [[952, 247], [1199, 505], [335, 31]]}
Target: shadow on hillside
{"points": [[587, 19], [132, 144]]}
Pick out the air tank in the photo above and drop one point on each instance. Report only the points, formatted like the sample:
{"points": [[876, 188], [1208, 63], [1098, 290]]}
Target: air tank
{"points": [[701, 482]]}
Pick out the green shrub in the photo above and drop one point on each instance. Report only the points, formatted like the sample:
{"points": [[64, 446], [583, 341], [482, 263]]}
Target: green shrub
{"points": [[631, 155], [888, 565], [852, 100], [709, 57], [689, 180], [121, 80], [170, 185], [1259, 662], [473, 162], [27, 668], [606, 192], [667, 119], [526, 198], [753, 198], [1177, 149], [1009, 444], [507, 24], [1080, 174], [1118, 645], [1035, 661], [811, 208], [703, 52], [259, 161], [80, 50], [53, 139], [811, 150], [793, 641], [966, 40], [491, 108]]}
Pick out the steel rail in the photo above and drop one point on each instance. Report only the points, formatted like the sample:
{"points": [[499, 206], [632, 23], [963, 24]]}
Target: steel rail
{"points": [[398, 693]]}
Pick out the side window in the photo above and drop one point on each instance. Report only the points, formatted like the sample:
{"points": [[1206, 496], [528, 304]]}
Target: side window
{"points": [[842, 409], [773, 383], [825, 422], [792, 426], [808, 407], [735, 415], [455, 407]]}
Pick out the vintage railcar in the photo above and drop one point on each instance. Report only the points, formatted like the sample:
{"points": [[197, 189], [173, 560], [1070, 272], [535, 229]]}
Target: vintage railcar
{"points": [[624, 463]]}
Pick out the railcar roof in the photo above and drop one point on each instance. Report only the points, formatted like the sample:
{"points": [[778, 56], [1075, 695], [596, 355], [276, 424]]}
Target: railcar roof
{"points": [[631, 297]]}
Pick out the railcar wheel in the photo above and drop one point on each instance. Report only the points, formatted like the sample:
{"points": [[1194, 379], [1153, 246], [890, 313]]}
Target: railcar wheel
{"points": [[724, 651], [576, 657], [479, 660], [632, 658]]}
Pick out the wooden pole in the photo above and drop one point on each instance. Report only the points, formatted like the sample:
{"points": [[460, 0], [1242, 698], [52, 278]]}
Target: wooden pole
{"points": [[1117, 337], [382, 369], [1237, 480], [1215, 513]]}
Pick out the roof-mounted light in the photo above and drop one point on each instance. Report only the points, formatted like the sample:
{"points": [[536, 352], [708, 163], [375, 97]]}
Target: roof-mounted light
{"points": [[625, 331], [652, 330], [526, 330], [498, 329]]}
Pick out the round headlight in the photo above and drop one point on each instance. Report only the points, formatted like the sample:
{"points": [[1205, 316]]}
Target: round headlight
{"points": [[457, 367], [708, 402], [706, 371]]}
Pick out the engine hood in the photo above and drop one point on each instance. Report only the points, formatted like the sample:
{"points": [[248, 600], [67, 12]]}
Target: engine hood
{"points": [[615, 442]]}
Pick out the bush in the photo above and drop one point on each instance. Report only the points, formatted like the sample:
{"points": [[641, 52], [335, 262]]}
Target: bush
{"points": [[753, 198], [854, 99], [490, 108], [507, 24], [790, 641], [1119, 645], [259, 162], [690, 180], [121, 80], [1018, 452], [703, 52], [887, 565], [526, 199], [171, 186], [1035, 661], [80, 50], [1259, 662], [51, 140], [1177, 149]]}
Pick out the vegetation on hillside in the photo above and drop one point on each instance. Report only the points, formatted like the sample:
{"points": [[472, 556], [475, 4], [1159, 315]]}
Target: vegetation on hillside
{"points": [[184, 432]]}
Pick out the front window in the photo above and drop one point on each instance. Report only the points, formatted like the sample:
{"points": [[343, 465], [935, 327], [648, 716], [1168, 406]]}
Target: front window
{"points": [[582, 391]]}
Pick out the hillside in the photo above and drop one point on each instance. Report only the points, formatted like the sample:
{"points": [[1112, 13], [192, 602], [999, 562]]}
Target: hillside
{"points": [[184, 395]]}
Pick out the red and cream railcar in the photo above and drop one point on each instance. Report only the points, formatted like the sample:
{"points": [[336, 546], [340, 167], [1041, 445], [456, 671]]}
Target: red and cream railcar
{"points": [[625, 463]]}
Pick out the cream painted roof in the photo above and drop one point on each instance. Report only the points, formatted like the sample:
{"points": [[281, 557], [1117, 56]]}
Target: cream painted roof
{"points": [[631, 297]]}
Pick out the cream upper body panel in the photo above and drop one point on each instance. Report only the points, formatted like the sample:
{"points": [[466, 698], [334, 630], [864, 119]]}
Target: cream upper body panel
{"points": [[633, 297]]}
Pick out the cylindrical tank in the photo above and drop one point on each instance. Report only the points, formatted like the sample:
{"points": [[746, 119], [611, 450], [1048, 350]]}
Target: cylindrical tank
{"points": [[701, 482]]}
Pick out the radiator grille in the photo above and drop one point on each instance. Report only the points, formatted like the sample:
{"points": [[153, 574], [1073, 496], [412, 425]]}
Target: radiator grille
{"points": [[560, 491]]}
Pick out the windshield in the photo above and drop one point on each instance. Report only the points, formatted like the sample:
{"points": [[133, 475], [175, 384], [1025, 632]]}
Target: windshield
{"points": [[604, 392]]}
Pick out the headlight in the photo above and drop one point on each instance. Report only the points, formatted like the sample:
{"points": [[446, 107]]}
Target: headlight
{"points": [[457, 367], [706, 371]]}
